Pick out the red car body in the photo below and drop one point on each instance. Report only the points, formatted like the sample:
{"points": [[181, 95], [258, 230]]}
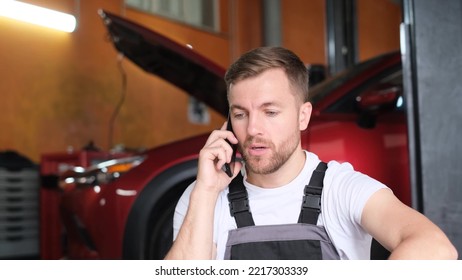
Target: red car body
{"points": [[356, 118]]}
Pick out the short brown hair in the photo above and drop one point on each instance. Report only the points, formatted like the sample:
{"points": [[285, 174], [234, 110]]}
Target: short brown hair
{"points": [[261, 59]]}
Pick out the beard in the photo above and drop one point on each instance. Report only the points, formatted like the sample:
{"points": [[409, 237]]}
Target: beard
{"points": [[278, 157]]}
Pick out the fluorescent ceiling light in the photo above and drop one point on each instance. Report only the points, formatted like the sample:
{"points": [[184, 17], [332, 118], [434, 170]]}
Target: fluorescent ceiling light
{"points": [[37, 15]]}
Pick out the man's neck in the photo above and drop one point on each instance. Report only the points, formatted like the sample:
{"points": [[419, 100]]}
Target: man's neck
{"points": [[284, 175]]}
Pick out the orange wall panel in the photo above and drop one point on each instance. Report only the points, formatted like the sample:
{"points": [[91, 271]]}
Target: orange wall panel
{"points": [[60, 90], [245, 31], [303, 29], [378, 27]]}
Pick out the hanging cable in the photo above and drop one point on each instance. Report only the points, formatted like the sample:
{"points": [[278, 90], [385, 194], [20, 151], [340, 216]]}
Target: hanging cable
{"points": [[121, 101]]}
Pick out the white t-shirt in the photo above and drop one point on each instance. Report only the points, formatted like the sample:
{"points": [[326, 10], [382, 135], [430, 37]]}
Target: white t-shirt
{"points": [[344, 195]]}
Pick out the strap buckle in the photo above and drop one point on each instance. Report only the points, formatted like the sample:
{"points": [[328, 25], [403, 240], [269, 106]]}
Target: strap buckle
{"points": [[238, 202], [312, 201]]}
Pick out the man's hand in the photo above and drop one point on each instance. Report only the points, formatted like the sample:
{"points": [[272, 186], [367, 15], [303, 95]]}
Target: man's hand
{"points": [[195, 238], [215, 153], [406, 233]]}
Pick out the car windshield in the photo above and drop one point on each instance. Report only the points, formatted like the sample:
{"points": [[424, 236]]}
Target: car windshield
{"points": [[324, 88]]}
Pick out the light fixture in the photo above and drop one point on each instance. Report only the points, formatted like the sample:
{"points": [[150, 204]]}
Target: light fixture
{"points": [[37, 15]]}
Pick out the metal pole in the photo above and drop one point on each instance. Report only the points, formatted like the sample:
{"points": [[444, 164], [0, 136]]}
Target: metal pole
{"points": [[272, 23]]}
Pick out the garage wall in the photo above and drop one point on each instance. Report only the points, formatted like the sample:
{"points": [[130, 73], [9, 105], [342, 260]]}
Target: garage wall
{"points": [[304, 29], [59, 90], [378, 27], [55, 92]]}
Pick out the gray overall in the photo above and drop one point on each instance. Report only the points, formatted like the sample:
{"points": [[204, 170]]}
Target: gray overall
{"points": [[302, 241]]}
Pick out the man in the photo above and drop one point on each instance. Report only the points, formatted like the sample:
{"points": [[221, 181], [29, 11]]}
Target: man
{"points": [[267, 94]]}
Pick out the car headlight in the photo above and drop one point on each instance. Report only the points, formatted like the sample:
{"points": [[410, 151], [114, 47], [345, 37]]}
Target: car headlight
{"points": [[101, 173]]}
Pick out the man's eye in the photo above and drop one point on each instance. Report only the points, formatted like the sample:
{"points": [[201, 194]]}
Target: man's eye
{"points": [[271, 113], [239, 116]]}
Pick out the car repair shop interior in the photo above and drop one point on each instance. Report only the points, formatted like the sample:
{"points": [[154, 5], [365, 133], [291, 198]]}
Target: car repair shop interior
{"points": [[71, 99]]}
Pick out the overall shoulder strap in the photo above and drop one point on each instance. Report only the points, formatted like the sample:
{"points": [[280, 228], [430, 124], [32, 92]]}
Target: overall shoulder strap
{"points": [[239, 202], [311, 206]]}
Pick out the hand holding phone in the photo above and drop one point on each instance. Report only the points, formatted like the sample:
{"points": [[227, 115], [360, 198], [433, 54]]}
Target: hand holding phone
{"points": [[227, 166]]}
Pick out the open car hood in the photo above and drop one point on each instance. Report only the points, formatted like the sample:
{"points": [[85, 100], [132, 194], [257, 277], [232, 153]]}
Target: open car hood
{"points": [[173, 62]]}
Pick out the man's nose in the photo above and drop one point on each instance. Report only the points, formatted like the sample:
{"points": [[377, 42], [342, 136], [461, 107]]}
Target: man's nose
{"points": [[254, 125]]}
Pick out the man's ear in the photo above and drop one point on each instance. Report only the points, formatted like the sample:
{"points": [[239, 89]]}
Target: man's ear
{"points": [[305, 115]]}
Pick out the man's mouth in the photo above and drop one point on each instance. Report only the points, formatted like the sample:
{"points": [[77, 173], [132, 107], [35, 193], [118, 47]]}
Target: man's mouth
{"points": [[257, 149]]}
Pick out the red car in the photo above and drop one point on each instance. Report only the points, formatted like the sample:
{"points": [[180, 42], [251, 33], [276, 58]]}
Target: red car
{"points": [[123, 208]]}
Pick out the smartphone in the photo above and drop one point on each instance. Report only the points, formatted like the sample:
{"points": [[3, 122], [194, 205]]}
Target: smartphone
{"points": [[227, 166]]}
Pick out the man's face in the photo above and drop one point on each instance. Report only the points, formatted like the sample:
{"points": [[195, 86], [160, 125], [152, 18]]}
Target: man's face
{"points": [[266, 120]]}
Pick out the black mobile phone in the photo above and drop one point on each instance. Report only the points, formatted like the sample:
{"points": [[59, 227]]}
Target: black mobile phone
{"points": [[227, 166]]}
